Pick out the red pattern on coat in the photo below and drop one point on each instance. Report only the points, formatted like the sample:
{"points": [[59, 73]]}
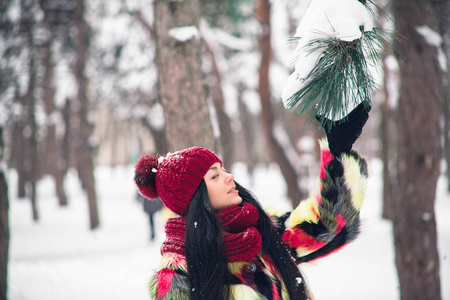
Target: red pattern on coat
{"points": [[297, 238], [165, 277], [327, 157]]}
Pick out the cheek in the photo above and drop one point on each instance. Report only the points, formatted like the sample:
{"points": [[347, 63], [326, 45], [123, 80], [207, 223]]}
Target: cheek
{"points": [[213, 193], [217, 196]]}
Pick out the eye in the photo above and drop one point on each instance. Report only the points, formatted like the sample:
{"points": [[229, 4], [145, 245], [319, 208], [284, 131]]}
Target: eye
{"points": [[215, 176]]}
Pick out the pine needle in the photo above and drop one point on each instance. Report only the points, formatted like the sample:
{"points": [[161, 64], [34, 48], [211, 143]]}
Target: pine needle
{"points": [[341, 78]]}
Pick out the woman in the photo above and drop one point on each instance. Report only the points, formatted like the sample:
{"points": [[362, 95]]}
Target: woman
{"points": [[224, 246]]}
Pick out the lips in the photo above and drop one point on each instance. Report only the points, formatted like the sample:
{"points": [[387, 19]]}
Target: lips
{"points": [[233, 189]]}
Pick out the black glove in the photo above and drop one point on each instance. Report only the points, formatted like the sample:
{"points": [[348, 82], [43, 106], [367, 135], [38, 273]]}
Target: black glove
{"points": [[343, 133]]}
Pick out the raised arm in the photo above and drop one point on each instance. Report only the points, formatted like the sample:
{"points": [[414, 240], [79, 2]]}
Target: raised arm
{"points": [[329, 218]]}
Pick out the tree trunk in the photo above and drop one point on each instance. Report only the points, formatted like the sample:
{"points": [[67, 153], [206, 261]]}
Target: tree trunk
{"points": [[31, 144], [443, 9], [276, 150], [180, 76], [85, 163], [52, 144], [388, 161], [67, 159], [388, 136], [114, 144], [159, 136], [215, 90], [17, 159], [18, 154], [419, 153], [446, 110], [249, 126], [30, 172], [4, 224]]}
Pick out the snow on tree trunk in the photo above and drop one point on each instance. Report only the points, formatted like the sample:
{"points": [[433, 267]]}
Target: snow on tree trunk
{"points": [[85, 151], [178, 58], [419, 152]]}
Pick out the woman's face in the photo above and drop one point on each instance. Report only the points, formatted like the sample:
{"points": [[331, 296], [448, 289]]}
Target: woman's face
{"points": [[222, 190]]}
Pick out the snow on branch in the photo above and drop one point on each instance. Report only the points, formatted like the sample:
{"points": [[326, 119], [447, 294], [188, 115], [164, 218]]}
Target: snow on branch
{"points": [[224, 38], [434, 39], [338, 45], [185, 33], [331, 18]]}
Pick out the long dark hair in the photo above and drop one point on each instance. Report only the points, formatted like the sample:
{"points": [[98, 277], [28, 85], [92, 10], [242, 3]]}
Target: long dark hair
{"points": [[207, 264]]}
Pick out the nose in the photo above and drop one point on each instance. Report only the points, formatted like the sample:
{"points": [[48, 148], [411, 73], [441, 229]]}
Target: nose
{"points": [[230, 177]]}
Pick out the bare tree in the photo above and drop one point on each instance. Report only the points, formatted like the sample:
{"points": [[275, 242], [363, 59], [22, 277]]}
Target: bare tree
{"points": [[53, 164], [28, 100], [249, 132], [18, 146], [268, 119], [178, 58], [85, 151], [31, 152], [24, 126], [215, 90], [66, 158], [419, 151]]}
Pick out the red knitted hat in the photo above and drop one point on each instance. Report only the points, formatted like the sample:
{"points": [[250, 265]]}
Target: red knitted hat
{"points": [[175, 177]]}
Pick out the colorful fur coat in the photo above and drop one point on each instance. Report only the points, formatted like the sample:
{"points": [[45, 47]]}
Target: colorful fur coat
{"points": [[320, 225]]}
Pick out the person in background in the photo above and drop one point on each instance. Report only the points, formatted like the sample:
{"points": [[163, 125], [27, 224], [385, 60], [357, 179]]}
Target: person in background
{"points": [[223, 245], [150, 208]]}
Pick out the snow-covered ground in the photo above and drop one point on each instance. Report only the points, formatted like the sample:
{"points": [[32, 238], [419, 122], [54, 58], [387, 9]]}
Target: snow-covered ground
{"points": [[60, 258]]}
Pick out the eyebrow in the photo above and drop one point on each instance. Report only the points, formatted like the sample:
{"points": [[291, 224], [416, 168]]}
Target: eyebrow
{"points": [[215, 168]]}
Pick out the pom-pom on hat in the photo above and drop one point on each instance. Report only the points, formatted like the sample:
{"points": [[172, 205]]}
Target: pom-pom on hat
{"points": [[174, 177]]}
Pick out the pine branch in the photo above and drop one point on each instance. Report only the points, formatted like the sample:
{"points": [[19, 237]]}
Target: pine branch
{"points": [[341, 78]]}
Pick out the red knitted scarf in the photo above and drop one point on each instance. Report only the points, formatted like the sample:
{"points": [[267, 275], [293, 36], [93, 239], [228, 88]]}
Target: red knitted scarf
{"points": [[241, 239]]}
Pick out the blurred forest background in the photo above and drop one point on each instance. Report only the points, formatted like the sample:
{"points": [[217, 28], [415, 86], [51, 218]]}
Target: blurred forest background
{"points": [[88, 83]]}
